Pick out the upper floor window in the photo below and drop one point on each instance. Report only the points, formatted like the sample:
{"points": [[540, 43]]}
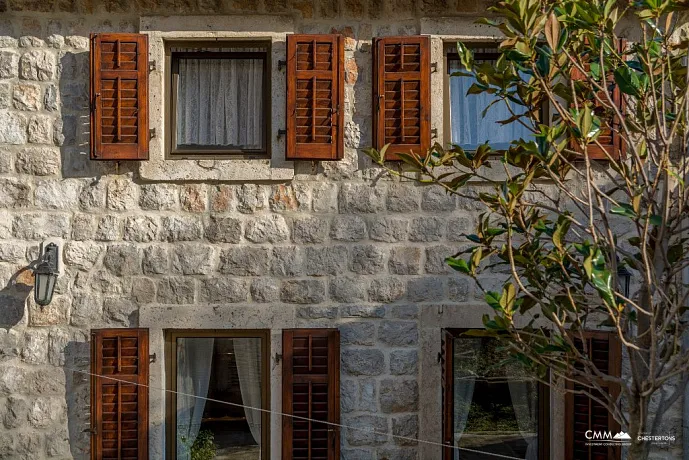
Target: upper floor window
{"points": [[468, 126], [219, 99]]}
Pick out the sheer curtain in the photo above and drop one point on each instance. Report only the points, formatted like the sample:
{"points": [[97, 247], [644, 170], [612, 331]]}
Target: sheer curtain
{"points": [[464, 394], [469, 128], [247, 353], [194, 359], [220, 102], [524, 394]]}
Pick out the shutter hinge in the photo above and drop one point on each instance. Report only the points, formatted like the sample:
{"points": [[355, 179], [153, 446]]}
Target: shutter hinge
{"points": [[434, 67], [152, 133], [440, 357], [152, 65], [90, 430], [282, 132], [152, 358], [434, 135], [282, 64], [278, 357]]}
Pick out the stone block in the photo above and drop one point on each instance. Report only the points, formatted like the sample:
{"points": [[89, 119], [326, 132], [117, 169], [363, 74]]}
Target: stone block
{"points": [[5, 95], [436, 199], [108, 228], [294, 197], [223, 230], [405, 260], [367, 259], [181, 228], [122, 260], [359, 333], [37, 65], [265, 290], [9, 64], [162, 197], [404, 362], [155, 260], [143, 290], [223, 290], [425, 289], [45, 411], [35, 349], [176, 290], [399, 395], [221, 198], [348, 228], [27, 96], [458, 289], [386, 290], [324, 198], [121, 312], [16, 412], [271, 228], [286, 261], [366, 430], [251, 198], [426, 229], [81, 254], [403, 198], [38, 226], [311, 313], [13, 128], [309, 230], [92, 196], [398, 333], [398, 453], [193, 259], [361, 198], [322, 261], [40, 130], [407, 428], [302, 291], [142, 229], [458, 226], [348, 289], [389, 229], [362, 311], [38, 161], [244, 261], [51, 99], [57, 194], [363, 361], [87, 309], [12, 252], [435, 259], [123, 195], [349, 391], [193, 197]]}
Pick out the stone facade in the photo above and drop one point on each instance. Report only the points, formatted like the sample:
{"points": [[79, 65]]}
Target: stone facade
{"points": [[335, 246]]}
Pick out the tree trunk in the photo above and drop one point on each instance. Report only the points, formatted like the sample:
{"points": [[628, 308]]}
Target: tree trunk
{"points": [[638, 450]]}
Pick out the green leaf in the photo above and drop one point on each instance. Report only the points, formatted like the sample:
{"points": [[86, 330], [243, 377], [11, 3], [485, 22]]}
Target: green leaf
{"points": [[552, 31], [459, 265], [627, 80], [493, 299], [624, 209]]}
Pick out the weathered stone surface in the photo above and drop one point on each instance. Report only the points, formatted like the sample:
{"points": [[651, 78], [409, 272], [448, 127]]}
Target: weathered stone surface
{"points": [[458, 289], [51, 99], [403, 198], [53, 314], [364, 361], [302, 291], [38, 161], [348, 228], [37, 65], [57, 194], [361, 198], [244, 261], [346, 289], [27, 96], [122, 260], [426, 229], [9, 64], [251, 198], [399, 395], [12, 128], [181, 228], [175, 290], [309, 230], [222, 198], [405, 260], [16, 412], [435, 259], [123, 195], [404, 362], [398, 333], [324, 198], [44, 411], [286, 261], [367, 259], [35, 346], [329, 260], [155, 260], [193, 259], [193, 197], [87, 309], [12, 252], [143, 290], [349, 393], [289, 198], [5, 95], [425, 289], [386, 290], [398, 453], [312, 312], [389, 229], [222, 290], [81, 254], [435, 199], [362, 311], [161, 197], [267, 229], [358, 333], [406, 426], [265, 290], [142, 229], [108, 228], [40, 130], [371, 432], [35, 226], [121, 312]]}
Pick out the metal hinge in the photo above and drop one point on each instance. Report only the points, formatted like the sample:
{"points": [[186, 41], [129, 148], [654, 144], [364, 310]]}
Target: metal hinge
{"points": [[152, 358], [282, 64], [434, 67], [152, 133], [151, 65], [434, 133], [282, 132]]}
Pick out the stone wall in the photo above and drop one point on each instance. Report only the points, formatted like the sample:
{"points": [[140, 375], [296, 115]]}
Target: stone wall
{"points": [[336, 246]]}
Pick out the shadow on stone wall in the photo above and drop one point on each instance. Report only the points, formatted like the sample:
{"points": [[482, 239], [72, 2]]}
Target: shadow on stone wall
{"points": [[13, 297], [77, 357]]}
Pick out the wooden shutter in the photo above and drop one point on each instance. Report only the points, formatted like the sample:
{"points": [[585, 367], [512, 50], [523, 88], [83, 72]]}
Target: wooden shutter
{"points": [[119, 399], [119, 97], [315, 97], [610, 139], [583, 413], [447, 385], [401, 94], [311, 389]]}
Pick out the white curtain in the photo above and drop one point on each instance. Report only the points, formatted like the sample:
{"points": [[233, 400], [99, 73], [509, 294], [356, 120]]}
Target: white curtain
{"points": [[247, 353], [464, 394], [525, 402], [220, 102], [469, 128], [194, 359]]}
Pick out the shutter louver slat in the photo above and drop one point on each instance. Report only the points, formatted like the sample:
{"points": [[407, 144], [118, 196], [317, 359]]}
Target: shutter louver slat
{"points": [[311, 390], [119, 404], [401, 96], [119, 97], [447, 390], [584, 413], [315, 97]]}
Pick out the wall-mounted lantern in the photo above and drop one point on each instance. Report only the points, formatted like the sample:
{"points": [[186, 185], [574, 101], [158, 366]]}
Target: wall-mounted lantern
{"points": [[45, 275], [624, 277]]}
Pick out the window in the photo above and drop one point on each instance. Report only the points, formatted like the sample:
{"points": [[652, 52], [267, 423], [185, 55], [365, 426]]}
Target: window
{"points": [[229, 366], [490, 408], [219, 99], [467, 126]]}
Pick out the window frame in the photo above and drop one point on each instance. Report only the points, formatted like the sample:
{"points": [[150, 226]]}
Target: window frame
{"points": [[450, 50], [170, 337], [544, 406], [172, 151]]}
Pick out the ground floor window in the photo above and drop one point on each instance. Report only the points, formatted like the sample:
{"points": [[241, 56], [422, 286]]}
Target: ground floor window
{"points": [[207, 370], [489, 407]]}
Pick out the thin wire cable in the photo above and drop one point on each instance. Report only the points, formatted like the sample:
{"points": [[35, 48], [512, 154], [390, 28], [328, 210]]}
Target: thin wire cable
{"points": [[296, 417]]}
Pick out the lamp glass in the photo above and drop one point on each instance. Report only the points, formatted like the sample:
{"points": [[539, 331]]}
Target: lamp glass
{"points": [[44, 284]]}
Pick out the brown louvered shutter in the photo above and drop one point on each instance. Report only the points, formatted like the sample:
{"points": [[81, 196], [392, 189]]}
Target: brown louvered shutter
{"points": [[611, 142], [401, 94], [315, 97], [311, 390], [119, 97], [583, 413], [447, 385], [119, 394]]}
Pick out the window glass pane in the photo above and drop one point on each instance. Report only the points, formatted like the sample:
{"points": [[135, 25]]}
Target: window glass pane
{"points": [[469, 129], [220, 101], [495, 406], [222, 369]]}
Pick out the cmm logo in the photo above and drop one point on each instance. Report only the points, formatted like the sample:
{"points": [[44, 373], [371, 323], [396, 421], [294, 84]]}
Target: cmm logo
{"points": [[607, 436]]}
